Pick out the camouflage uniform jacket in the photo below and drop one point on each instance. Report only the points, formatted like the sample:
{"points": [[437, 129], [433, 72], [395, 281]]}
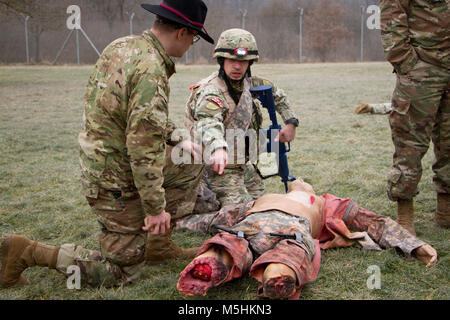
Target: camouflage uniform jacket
{"points": [[415, 30], [126, 125], [210, 107]]}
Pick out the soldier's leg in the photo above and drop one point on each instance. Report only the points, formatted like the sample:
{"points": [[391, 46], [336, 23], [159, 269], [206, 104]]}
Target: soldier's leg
{"points": [[119, 261], [230, 186], [386, 232], [203, 223], [377, 108], [222, 258], [206, 199], [441, 168], [181, 183], [415, 105], [122, 243], [253, 182]]}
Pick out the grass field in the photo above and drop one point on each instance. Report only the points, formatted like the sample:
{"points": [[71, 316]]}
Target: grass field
{"points": [[335, 150]]}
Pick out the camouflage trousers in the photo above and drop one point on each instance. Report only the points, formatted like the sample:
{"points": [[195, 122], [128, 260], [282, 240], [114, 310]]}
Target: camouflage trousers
{"points": [[337, 212], [257, 226], [122, 241], [237, 184], [421, 106], [301, 256]]}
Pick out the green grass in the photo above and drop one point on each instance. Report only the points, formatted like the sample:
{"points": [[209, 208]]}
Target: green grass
{"points": [[336, 151]]}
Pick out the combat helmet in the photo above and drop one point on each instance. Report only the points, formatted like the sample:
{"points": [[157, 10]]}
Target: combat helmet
{"points": [[237, 44]]}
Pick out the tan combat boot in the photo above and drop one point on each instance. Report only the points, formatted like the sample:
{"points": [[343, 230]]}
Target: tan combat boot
{"points": [[18, 253], [363, 108], [405, 215], [161, 248], [442, 217]]}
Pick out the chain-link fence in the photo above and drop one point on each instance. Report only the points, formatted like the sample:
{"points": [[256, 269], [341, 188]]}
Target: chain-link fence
{"points": [[286, 31]]}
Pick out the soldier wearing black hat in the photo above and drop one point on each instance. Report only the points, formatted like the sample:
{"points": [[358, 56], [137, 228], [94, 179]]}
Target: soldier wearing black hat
{"points": [[126, 176]]}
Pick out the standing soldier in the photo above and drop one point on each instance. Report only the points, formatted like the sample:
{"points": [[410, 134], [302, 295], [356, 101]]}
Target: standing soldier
{"points": [[128, 180], [223, 101], [416, 39]]}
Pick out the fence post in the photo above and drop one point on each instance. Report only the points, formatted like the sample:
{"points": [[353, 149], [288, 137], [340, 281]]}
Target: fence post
{"points": [[301, 35], [77, 40], [27, 48], [363, 9], [244, 14], [131, 23]]}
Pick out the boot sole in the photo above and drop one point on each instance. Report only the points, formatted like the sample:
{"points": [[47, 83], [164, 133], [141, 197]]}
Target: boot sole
{"points": [[4, 252], [4, 249]]}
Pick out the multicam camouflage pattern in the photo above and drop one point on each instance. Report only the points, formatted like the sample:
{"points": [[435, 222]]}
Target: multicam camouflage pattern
{"points": [[414, 30], [236, 38], [206, 199], [422, 113], [253, 182], [416, 40], [122, 244], [238, 184], [211, 112], [94, 269], [181, 184], [127, 172], [126, 126]]}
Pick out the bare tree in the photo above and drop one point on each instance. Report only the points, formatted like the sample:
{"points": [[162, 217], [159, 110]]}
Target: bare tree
{"points": [[114, 9], [15, 6], [325, 29], [45, 15]]}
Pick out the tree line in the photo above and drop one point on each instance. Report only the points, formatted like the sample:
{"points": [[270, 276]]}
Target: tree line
{"points": [[331, 28]]}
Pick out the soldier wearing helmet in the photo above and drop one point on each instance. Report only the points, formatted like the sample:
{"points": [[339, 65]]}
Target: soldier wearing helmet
{"points": [[223, 101]]}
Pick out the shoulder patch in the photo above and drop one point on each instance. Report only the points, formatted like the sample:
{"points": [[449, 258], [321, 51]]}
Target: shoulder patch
{"points": [[212, 106], [195, 86]]}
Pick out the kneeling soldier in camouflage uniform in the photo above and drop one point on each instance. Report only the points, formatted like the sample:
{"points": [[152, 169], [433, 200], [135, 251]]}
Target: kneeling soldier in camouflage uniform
{"points": [[127, 177], [278, 238], [223, 101]]}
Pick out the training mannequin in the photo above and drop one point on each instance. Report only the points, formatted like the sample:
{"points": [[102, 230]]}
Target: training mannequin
{"points": [[285, 233]]}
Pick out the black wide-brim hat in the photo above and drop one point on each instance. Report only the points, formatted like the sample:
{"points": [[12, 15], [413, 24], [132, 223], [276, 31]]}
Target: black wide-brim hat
{"points": [[189, 13]]}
